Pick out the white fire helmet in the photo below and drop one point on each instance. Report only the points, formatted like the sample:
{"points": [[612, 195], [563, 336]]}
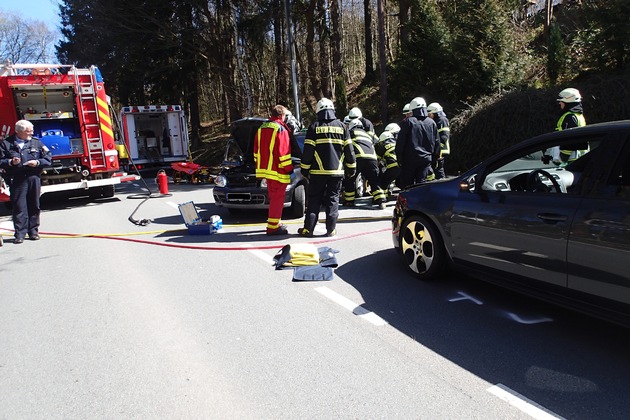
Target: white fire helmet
{"points": [[323, 104], [392, 127], [354, 123], [386, 135], [416, 103], [355, 113], [569, 95], [434, 108]]}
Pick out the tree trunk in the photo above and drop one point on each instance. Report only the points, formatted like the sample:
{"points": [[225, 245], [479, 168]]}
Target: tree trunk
{"points": [[403, 18], [369, 54], [310, 51], [282, 90]]}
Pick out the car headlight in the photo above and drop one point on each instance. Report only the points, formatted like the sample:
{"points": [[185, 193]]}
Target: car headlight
{"points": [[220, 181], [263, 183]]}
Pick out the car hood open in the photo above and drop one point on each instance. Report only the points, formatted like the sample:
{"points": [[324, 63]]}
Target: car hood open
{"points": [[243, 132]]}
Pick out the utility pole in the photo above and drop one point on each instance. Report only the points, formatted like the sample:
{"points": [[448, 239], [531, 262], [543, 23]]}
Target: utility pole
{"points": [[296, 99], [382, 59]]}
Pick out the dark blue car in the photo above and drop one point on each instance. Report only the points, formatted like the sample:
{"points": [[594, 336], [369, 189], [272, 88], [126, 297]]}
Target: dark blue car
{"points": [[558, 229]]}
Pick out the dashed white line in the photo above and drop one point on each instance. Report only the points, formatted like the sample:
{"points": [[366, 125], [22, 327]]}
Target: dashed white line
{"points": [[523, 403], [358, 310]]}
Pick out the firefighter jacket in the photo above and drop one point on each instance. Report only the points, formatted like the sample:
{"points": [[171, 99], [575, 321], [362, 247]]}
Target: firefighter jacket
{"points": [[417, 141], [362, 144], [386, 152], [444, 133], [328, 149], [570, 119], [33, 149], [369, 128], [272, 152]]}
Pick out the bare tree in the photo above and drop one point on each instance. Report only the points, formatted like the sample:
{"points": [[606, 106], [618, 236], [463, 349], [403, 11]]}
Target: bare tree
{"points": [[25, 41]]}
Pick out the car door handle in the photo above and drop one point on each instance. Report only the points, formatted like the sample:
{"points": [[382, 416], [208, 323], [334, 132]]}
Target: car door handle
{"points": [[552, 217]]}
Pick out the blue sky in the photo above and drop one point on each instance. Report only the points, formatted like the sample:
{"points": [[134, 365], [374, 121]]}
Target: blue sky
{"points": [[45, 10]]}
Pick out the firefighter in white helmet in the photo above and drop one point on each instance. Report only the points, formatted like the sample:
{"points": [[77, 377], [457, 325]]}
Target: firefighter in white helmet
{"points": [[417, 145], [406, 113], [367, 165], [385, 149], [436, 113], [355, 113], [570, 101], [328, 156]]}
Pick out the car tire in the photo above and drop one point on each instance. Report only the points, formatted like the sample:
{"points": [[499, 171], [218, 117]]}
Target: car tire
{"points": [[422, 247], [298, 201]]}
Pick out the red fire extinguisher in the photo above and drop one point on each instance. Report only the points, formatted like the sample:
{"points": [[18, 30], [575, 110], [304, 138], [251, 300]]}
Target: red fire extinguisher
{"points": [[162, 182]]}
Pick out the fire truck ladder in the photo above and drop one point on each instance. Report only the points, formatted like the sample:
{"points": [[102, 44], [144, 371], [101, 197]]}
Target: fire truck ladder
{"points": [[85, 86]]}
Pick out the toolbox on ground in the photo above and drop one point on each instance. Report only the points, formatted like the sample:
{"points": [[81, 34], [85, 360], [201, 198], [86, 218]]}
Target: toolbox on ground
{"points": [[197, 226]]}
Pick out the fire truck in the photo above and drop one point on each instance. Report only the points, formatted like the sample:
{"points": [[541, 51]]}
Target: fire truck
{"points": [[70, 112], [153, 135]]}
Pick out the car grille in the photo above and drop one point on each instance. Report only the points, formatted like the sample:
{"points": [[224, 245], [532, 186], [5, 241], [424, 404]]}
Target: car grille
{"points": [[245, 198]]}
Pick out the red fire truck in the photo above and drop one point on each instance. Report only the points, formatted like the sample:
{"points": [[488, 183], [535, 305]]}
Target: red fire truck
{"points": [[71, 115]]}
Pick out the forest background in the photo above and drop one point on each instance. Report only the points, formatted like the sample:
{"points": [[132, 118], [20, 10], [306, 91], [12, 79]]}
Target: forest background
{"points": [[496, 66]]}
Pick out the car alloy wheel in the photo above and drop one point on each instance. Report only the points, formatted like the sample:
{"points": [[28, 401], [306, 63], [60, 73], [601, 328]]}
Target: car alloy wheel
{"points": [[422, 247]]}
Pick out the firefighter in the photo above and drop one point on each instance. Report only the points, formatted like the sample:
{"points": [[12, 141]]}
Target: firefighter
{"points": [[23, 156], [272, 154], [355, 113], [328, 157], [386, 151], [367, 165], [406, 113], [436, 113], [392, 128], [417, 145], [570, 101]]}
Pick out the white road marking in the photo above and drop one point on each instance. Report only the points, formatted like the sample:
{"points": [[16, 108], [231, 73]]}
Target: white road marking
{"points": [[358, 310], [528, 321], [351, 306], [174, 205], [465, 296], [524, 404]]}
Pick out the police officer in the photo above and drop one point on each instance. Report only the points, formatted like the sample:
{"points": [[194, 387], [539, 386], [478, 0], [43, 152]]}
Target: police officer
{"points": [[417, 145], [327, 158], [367, 165], [436, 113], [23, 156]]}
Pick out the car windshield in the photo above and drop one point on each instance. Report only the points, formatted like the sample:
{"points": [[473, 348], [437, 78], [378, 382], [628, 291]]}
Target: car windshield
{"points": [[531, 161]]}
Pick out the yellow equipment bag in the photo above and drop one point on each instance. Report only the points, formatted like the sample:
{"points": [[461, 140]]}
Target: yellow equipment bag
{"points": [[296, 255]]}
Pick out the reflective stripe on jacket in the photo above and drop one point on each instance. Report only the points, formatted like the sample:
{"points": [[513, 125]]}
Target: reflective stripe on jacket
{"points": [[362, 143], [328, 149]]}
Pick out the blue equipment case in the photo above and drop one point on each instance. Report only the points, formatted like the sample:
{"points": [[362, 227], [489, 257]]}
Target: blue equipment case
{"points": [[193, 222]]}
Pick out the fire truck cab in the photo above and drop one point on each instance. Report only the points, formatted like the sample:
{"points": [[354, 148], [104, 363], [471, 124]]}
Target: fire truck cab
{"points": [[70, 113]]}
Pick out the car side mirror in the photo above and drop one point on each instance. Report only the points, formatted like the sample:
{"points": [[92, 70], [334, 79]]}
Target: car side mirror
{"points": [[467, 185]]}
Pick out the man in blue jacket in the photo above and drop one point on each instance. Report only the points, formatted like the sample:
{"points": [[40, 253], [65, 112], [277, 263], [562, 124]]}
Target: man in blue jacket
{"points": [[23, 156]]}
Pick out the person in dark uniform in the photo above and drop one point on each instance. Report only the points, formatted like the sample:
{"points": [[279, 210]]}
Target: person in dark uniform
{"points": [[436, 112], [367, 165], [23, 156], [417, 145], [327, 158]]}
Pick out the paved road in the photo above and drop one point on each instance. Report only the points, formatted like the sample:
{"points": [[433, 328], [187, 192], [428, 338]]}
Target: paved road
{"points": [[106, 319]]}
